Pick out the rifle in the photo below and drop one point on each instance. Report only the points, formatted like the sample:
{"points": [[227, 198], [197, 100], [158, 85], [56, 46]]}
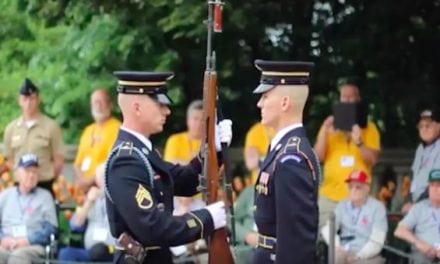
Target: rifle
{"points": [[218, 246]]}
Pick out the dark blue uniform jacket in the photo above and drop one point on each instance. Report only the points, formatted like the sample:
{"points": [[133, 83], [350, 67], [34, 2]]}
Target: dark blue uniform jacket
{"points": [[140, 199], [286, 201]]}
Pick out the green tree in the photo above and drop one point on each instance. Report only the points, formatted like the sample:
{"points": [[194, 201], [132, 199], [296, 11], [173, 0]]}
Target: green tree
{"points": [[69, 47]]}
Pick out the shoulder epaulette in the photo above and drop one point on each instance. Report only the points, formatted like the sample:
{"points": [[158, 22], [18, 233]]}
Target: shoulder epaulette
{"points": [[292, 145], [125, 147]]}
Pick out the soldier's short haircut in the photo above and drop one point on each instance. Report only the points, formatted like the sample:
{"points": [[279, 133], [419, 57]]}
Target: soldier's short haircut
{"points": [[196, 105]]}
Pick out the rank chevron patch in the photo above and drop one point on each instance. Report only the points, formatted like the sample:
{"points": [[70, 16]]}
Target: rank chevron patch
{"points": [[143, 198]]}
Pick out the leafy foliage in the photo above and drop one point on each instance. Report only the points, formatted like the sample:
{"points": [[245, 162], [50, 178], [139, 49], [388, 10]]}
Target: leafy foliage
{"points": [[70, 47]]}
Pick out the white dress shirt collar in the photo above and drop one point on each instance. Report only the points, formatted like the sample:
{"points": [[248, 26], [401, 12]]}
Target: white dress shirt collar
{"points": [[282, 133], [139, 136]]}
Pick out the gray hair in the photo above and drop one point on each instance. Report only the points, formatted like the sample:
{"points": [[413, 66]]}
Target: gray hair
{"points": [[196, 105]]}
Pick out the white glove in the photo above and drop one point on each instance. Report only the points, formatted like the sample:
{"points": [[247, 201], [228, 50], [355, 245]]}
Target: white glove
{"points": [[218, 214], [223, 133], [179, 250]]}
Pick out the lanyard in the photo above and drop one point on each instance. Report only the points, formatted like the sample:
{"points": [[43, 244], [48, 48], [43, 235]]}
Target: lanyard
{"points": [[426, 154], [24, 209], [192, 151], [436, 219], [426, 157], [355, 213]]}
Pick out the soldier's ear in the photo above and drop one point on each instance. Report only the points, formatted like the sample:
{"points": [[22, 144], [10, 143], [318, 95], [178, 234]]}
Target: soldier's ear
{"points": [[285, 102], [136, 108]]}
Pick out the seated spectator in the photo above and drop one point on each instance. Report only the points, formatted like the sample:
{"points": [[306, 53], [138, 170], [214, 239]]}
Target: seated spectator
{"points": [[238, 180], [361, 222], [387, 182], [96, 140], [246, 234], [27, 214], [91, 217], [238, 185], [342, 152], [421, 226], [427, 155]]}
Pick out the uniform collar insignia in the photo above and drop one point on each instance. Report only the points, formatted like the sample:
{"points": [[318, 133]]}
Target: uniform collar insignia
{"points": [[145, 151]]}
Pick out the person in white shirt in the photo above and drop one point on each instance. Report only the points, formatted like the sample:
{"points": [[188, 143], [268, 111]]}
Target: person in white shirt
{"points": [[27, 216], [421, 226], [362, 224], [91, 218]]}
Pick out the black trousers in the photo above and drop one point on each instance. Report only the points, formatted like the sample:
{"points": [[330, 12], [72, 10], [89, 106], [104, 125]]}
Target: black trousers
{"points": [[263, 256]]}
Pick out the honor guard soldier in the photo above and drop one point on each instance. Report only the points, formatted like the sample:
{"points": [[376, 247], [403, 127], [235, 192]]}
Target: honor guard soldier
{"points": [[140, 185], [286, 210]]}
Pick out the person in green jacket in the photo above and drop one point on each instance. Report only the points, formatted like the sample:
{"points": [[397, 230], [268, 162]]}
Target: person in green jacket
{"points": [[246, 234]]}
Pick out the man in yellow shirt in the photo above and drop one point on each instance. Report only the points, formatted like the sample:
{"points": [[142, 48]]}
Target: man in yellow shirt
{"points": [[181, 147], [255, 148], [96, 140], [342, 152]]}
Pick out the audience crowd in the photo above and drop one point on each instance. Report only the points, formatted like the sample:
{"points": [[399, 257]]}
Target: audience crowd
{"points": [[33, 189]]}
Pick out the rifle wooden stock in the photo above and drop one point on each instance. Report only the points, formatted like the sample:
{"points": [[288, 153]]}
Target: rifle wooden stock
{"points": [[218, 246]]}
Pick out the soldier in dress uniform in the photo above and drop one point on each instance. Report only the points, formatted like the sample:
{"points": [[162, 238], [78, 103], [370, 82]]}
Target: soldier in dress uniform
{"points": [[286, 210], [140, 185]]}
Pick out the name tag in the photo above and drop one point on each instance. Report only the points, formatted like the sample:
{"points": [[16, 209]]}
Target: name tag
{"points": [[19, 231], [347, 161], [85, 165], [100, 234]]}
